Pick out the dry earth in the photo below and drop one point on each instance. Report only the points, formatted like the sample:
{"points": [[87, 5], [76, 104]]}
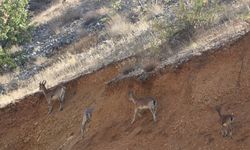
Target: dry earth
{"points": [[186, 117]]}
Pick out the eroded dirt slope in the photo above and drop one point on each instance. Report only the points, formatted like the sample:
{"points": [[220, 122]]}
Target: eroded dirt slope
{"points": [[186, 117]]}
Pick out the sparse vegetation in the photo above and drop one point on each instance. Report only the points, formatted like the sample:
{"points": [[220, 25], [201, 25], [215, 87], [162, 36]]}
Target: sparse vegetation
{"points": [[200, 13], [246, 14], [116, 5], [188, 18]]}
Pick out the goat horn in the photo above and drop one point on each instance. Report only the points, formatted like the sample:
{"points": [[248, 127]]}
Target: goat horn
{"points": [[44, 82]]}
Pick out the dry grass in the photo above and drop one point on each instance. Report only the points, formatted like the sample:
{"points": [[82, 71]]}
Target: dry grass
{"points": [[119, 26], [65, 17], [84, 44], [154, 10], [14, 48], [200, 41], [40, 60], [95, 13], [52, 12], [60, 15], [70, 15]]}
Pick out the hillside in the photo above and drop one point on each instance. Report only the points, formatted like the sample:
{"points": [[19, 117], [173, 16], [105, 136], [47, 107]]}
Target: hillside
{"points": [[186, 95], [72, 38], [190, 55]]}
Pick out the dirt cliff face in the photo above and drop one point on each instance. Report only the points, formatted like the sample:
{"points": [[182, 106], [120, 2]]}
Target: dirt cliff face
{"points": [[186, 116]]}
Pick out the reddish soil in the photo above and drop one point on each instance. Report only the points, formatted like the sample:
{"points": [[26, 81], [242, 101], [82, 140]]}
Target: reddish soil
{"points": [[186, 116]]}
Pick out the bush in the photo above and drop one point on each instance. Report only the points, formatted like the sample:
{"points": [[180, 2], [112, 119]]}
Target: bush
{"points": [[200, 13], [188, 18], [116, 5], [14, 22], [14, 29], [6, 62]]}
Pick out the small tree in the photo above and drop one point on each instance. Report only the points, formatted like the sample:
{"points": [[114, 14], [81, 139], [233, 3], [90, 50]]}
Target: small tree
{"points": [[14, 22]]}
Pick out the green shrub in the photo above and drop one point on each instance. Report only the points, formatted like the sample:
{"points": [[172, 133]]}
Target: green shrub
{"points": [[14, 29], [6, 62], [199, 14], [14, 22], [188, 18]]}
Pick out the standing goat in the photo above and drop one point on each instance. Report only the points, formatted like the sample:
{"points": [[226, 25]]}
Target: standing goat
{"points": [[142, 104], [87, 115], [56, 94], [226, 121]]}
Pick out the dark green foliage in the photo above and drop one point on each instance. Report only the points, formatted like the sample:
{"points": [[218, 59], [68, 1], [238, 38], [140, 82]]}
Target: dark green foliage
{"points": [[14, 29], [14, 22], [20, 58], [6, 62]]}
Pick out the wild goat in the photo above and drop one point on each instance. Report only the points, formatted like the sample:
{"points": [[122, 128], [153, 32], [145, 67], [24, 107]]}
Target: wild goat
{"points": [[55, 94], [142, 104], [226, 121], [87, 114]]}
